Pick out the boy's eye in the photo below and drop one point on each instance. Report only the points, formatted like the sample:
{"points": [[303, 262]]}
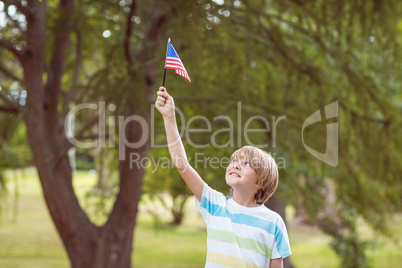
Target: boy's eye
{"points": [[234, 160], [247, 164]]}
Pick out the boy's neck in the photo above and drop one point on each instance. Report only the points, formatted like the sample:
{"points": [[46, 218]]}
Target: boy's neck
{"points": [[244, 199]]}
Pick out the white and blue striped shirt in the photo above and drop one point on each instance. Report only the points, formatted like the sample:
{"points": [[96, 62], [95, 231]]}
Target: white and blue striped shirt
{"points": [[240, 236]]}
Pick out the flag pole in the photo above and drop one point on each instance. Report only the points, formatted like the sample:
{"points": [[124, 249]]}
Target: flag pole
{"points": [[164, 73]]}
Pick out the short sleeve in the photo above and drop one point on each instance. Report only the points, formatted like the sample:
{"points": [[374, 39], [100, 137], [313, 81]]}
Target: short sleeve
{"points": [[281, 247], [211, 200]]}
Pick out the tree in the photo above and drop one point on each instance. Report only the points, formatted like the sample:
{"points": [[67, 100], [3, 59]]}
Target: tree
{"points": [[61, 59], [280, 58], [303, 54], [39, 36]]}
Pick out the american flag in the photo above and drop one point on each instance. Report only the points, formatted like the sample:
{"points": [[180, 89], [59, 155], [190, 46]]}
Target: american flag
{"points": [[173, 62]]}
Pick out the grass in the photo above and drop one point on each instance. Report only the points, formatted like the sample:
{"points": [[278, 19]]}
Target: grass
{"points": [[168, 248], [29, 239]]}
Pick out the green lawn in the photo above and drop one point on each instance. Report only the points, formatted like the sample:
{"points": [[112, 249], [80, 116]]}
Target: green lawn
{"points": [[28, 237]]}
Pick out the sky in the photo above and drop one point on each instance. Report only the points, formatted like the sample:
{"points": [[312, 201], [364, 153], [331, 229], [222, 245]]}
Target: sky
{"points": [[12, 12]]}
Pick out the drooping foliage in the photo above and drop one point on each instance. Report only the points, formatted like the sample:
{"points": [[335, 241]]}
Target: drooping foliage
{"points": [[280, 59]]}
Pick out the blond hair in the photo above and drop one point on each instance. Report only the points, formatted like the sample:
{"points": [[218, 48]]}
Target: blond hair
{"points": [[265, 168]]}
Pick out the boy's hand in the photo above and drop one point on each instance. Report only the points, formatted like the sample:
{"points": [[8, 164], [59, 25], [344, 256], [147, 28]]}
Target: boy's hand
{"points": [[164, 103]]}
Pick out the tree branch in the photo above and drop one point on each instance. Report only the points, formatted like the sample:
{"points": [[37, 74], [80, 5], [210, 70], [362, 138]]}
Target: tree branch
{"points": [[365, 117], [129, 30], [91, 137], [152, 34], [12, 110], [57, 63], [11, 48], [68, 145], [9, 74], [75, 80]]}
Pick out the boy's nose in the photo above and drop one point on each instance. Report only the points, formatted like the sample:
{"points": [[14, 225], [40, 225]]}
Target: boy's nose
{"points": [[236, 165]]}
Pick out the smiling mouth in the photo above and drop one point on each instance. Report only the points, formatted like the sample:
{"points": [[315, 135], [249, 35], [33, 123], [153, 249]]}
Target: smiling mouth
{"points": [[234, 174]]}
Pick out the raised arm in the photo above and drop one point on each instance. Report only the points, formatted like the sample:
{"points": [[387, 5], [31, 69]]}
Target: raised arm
{"points": [[165, 105]]}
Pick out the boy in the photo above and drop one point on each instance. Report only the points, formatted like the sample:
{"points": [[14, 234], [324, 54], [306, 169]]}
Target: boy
{"points": [[242, 232]]}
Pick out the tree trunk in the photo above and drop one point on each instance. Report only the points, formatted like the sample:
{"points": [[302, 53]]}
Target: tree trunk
{"points": [[87, 245], [177, 209], [274, 204], [104, 184]]}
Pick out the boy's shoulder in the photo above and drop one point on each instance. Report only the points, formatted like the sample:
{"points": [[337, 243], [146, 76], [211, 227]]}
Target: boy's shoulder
{"points": [[269, 214]]}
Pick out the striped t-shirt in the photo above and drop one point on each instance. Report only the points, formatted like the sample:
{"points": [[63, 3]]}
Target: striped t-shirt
{"points": [[240, 236]]}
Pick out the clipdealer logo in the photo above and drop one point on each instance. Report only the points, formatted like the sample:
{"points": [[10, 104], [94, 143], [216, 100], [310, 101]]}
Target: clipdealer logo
{"points": [[108, 122], [330, 156]]}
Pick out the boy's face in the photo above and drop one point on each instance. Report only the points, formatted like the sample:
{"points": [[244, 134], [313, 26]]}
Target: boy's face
{"points": [[240, 173]]}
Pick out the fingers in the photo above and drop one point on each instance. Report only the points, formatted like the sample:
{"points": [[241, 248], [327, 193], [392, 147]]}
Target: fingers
{"points": [[162, 96], [163, 93], [159, 103], [162, 90], [161, 99]]}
